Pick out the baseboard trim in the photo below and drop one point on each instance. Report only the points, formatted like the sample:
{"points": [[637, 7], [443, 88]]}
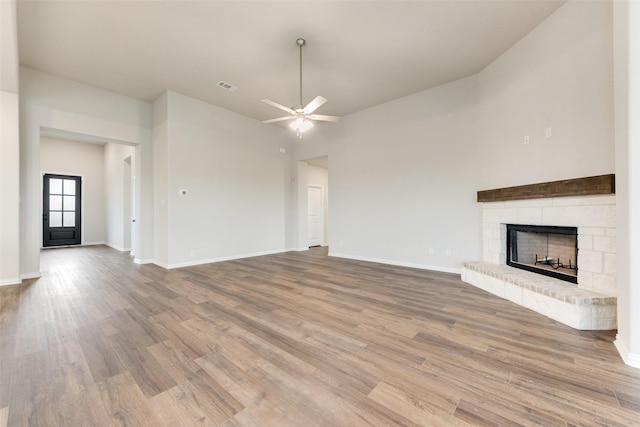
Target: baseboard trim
{"points": [[94, 243], [28, 276], [117, 248], [399, 263], [144, 261], [220, 259], [630, 359], [10, 282]]}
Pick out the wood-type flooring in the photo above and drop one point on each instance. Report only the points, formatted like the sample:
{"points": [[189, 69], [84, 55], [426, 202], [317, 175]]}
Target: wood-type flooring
{"points": [[294, 339]]}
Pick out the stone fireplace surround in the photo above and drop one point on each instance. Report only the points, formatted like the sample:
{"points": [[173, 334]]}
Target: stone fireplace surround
{"points": [[589, 305]]}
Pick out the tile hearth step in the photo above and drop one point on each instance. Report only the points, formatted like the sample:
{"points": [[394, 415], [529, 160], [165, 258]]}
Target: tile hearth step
{"points": [[565, 302]]}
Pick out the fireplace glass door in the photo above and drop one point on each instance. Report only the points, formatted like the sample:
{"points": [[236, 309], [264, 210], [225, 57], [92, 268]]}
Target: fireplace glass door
{"points": [[551, 251]]}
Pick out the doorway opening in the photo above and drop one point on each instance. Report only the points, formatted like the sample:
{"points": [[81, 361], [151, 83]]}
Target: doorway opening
{"points": [[107, 169]]}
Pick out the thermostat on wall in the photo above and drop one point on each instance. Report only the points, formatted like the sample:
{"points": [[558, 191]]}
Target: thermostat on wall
{"points": [[182, 192]]}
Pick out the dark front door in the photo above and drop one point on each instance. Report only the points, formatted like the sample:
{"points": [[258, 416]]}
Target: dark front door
{"points": [[61, 205]]}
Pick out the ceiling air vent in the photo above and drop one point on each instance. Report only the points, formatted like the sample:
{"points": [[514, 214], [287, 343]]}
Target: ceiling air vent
{"points": [[227, 86]]}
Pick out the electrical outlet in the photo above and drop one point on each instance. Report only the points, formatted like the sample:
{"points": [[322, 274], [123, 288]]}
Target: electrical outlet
{"points": [[447, 252], [547, 132], [526, 139], [431, 251]]}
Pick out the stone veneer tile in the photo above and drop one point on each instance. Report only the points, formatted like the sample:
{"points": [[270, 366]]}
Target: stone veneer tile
{"points": [[589, 260], [585, 241], [610, 266], [605, 281], [585, 200], [604, 244], [492, 205], [499, 215], [593, 231], [580, 216], [531, 216], [585, 278], [528, 203]]}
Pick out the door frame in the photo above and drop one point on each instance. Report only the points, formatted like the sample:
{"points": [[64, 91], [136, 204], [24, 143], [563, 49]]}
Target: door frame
{"points": [[80, 226]]}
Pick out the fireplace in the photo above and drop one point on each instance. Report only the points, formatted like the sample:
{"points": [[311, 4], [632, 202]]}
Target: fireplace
{"points": [[548, 250], [586, 299]]}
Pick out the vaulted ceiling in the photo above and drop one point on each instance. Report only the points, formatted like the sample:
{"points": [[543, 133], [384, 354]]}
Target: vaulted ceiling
{"points": [[358, 53]]}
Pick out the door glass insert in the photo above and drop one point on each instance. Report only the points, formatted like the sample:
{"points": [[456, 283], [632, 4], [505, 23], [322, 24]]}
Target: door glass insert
{"points": [[69, 203], [55, 186], [55, 219], [55, 203], [68, 219], [69, 187]]}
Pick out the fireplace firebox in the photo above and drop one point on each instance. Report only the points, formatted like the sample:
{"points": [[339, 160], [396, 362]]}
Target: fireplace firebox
{"points": [[548, 250]]}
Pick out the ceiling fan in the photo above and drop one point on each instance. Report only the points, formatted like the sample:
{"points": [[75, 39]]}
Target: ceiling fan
{"points": [[302, 117]]}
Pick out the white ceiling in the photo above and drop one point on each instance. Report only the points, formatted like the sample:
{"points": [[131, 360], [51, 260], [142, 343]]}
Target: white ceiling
{"points": [[358, 54]]}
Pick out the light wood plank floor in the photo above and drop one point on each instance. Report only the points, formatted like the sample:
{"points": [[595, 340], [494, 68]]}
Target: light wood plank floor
{"points": [[295, 339]]}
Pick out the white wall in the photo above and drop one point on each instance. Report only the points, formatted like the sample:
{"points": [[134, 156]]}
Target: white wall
{"points": [[9, 189], [627, 136], [9, 47], [9, 147], [65, 106], [399, 173], [160, 137], [87, 161], [560, 76], [236, 180], [116, 223]]}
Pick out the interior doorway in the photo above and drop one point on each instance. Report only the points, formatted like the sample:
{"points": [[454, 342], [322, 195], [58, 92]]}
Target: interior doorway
{"points": [[108, 172]]}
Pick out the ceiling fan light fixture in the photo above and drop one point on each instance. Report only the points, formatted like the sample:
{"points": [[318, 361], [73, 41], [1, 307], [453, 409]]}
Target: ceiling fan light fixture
{"points": [[302, 116], [301, 125]]}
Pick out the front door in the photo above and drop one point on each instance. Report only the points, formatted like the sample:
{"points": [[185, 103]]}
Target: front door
{"points": [[61, 206]]}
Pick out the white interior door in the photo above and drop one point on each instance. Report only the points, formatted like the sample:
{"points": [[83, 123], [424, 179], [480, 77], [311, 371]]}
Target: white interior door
{"points": [[315, 215], [126, 244]]}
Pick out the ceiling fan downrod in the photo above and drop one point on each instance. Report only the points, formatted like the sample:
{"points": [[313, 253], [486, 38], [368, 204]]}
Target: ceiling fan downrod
{"points": [[301, 42]]}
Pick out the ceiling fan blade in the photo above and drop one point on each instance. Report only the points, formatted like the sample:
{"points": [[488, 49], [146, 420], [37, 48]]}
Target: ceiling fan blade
{"points": [[325, 118], [282, 107], [314, 104], [279, 119]]}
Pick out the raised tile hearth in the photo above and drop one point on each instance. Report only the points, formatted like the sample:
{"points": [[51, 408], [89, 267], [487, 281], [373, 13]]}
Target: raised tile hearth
{"points": [[579, 308]]}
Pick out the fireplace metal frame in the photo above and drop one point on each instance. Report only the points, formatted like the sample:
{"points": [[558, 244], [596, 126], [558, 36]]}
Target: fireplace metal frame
{"points": [[571, 231]]}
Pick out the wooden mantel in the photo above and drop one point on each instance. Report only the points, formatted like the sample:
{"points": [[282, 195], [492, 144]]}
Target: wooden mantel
{"points": [[589, 186]]}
